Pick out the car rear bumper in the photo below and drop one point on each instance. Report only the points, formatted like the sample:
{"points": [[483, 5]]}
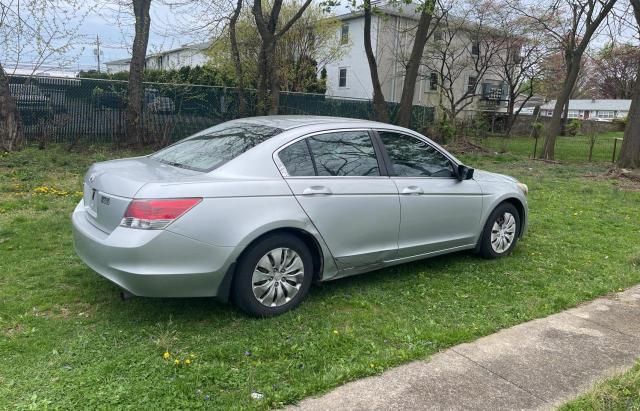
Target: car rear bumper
{"points": [[151, 263]]}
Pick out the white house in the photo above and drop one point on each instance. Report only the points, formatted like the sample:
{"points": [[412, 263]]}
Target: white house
{"points": [[349, 76], [603, 110], [186, 55]]}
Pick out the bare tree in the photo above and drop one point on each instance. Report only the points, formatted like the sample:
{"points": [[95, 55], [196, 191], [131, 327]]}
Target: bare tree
{"points": [[630, 150], [270, 32], [616, 68], [301, 52], [235, 55], [464, 54], [380, 111], [422, 34], [519, 64], [571, 24], [135, 101], [39, 33]]}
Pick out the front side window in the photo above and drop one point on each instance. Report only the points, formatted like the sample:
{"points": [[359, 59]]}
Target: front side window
{"points": [[412, 157], [342, 77], [215, 146]]}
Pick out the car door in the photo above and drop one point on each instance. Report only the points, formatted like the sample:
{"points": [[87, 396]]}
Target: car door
{"points": [[336, 177], [438, 212]]}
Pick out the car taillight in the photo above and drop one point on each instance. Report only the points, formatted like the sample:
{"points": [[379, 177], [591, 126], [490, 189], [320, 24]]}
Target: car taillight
{"points": [[156, 214]]}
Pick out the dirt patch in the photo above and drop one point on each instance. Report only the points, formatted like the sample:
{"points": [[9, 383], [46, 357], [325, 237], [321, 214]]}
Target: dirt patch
{"points": [[622, 178], [66, 311], [14, 330], [466, 147]]}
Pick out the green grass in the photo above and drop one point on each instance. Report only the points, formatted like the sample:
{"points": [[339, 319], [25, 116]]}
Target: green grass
{"points": [[616, 394], [66, 340], [571, 149]]}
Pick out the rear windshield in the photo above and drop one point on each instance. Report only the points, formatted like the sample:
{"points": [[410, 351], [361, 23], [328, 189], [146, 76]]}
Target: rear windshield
{"points": [[215, 146]]}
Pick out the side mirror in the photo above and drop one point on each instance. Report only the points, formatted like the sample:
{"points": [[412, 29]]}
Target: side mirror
{"points": [[464, 172]]}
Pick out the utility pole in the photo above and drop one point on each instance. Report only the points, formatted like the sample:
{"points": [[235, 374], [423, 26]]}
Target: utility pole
{"points": [[96, 51]]}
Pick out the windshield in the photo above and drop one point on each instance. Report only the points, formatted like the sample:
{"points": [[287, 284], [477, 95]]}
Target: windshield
{"points": [[215, 146]]}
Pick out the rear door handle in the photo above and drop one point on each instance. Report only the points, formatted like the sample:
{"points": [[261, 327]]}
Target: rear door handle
{"points": [[412, 190], [316, 190]]}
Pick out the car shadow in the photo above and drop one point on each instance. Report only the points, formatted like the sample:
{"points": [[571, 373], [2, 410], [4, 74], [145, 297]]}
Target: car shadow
{"points": [[211, 311]]}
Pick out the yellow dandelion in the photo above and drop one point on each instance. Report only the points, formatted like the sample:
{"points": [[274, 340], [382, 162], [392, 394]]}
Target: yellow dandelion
{"points": [[177, 362], [166, 355], [187, 361], [335, 332]]}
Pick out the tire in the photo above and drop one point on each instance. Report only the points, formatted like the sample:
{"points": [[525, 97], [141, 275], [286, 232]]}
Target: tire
{"points": [[504, 224], [265, 287]]}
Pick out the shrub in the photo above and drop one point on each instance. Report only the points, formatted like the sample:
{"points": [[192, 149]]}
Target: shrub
{"points": [[573, 127]]}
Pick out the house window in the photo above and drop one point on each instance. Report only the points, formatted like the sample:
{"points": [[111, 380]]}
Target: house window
{"points": [[475, 47], [605, 114], [342, 79], [471, 85], [433, 81], [344, 34], [573, 114]]}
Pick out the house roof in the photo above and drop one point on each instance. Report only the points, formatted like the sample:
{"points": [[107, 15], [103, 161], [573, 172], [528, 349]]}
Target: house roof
{"points": [[611, 105], [196, 46], [405, 10], [121, 61]]}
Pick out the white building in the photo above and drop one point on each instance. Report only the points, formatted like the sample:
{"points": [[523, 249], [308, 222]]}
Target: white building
{"points": [[603, 110], [391, 35], [187, 55]]}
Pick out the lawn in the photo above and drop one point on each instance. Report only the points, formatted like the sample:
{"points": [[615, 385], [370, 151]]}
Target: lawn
{"points": [[574, 149], [67, 340], [619, 393]]}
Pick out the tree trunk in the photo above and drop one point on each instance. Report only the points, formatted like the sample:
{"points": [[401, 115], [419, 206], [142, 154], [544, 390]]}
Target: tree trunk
{"points": [[266, 62], [268, 73], [413, 65], [630, 150], [10, 124], [555, 125], [274, 73], [380, 111], [235, 54], [135, 101]]}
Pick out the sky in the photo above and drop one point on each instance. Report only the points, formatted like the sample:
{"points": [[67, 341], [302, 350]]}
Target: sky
{"points": [[167, 32]]}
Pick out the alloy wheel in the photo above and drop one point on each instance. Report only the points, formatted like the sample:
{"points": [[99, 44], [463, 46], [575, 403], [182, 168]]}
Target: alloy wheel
{"points": [[277, 277], [503, 233]]}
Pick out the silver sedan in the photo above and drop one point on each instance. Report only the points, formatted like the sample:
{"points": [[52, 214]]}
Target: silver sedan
{"points": [[256, 210]]}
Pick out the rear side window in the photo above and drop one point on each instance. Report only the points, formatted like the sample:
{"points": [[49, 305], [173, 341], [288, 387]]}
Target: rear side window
{"points": [[347, 153], [296, 158], [216, 146]]}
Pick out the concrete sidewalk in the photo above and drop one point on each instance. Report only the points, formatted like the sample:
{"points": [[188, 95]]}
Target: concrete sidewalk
{"points": [[536, 365]]}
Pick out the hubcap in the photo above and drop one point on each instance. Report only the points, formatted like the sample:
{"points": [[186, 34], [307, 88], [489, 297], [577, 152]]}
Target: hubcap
{"points": [[277, 277], [503, 233]]}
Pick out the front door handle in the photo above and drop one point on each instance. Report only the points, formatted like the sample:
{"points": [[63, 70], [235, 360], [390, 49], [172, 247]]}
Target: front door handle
{"points": [[316, 190], [412, 190]]}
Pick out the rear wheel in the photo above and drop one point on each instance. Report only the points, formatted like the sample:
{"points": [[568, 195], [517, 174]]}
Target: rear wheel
{"points": [[273, 276], [500, 233]]}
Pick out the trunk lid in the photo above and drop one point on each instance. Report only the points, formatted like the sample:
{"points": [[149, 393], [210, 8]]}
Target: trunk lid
{"points": [[109, 187]]}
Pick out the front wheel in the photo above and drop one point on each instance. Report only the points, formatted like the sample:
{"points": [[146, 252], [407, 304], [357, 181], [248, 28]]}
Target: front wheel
{"points": [[273, 276], [500, 233]]}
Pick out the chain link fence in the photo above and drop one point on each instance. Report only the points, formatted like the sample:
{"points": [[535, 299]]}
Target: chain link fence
{"points": [[85, 111]]}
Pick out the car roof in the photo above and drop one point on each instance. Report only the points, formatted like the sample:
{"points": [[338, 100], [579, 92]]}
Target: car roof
{"points": [[287, 122]]}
